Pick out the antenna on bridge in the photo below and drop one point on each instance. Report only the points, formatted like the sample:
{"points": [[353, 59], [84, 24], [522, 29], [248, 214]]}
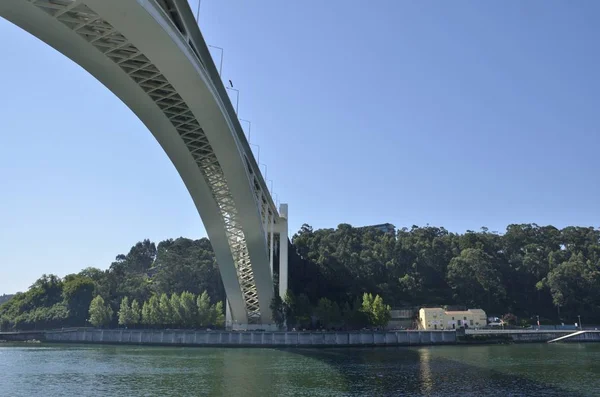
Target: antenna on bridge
{"points": [[266, 170], [221, 63], [249, 127], [258, 147], [198, 12], [237, 101]]}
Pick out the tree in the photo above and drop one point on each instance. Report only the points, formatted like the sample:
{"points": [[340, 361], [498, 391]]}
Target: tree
{"points": [[187, 265], [353, 315], [136, 313], [188, 309], [205, 313], [177, 315], [380, 313], [151, 313], [166, 314], [146, 316], [509, 319], [328, 313], [474, 279], [289, 307], [77, 293], [5, 298], [277, 310], [128, 316], [100, 314], [218, 315], [574, 285], [367, 307], [303, 311]]}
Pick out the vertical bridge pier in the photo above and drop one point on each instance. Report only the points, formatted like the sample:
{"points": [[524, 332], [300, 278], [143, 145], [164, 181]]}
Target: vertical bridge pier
{"points": [[277, 242]]}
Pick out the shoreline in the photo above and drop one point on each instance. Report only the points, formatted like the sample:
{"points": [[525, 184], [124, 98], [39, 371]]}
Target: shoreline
{"points": [[232, 339]]}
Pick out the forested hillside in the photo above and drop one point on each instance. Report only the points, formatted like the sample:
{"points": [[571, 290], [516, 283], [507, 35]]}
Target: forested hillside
{"points": [[5, 298], [174, 266], [529, 270]]}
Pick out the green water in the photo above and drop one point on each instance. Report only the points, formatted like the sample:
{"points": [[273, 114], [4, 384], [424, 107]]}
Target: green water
{"points": [[511, 370]]}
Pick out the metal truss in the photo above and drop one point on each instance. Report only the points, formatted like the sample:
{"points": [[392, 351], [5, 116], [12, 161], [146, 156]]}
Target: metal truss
{"points": [[104, 37]]}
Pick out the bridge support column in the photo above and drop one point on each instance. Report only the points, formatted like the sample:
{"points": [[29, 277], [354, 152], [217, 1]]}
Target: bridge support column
{"points": [[283, 249], [228, 318], [271, 242]]}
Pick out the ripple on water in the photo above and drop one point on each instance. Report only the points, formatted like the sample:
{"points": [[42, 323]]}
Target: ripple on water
{"points": [[515, 370]]}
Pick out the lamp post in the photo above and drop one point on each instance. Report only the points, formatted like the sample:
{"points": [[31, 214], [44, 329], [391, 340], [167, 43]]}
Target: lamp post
{"points": [[538, 321], [237, 101], [198, 12], [580, 325], [249, 128], [221, 63], [258, 147]]}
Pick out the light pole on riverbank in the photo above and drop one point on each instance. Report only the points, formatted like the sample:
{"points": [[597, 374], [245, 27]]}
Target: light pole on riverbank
{"points": [[579, 318]]}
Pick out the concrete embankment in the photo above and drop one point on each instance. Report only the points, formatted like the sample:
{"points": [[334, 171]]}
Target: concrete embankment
{"points": [[22, 336], [529, 336], [588, 336], [246, 339]]}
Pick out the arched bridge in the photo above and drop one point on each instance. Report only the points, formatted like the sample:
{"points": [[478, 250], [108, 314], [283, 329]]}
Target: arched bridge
{"points": [[151, 54]]}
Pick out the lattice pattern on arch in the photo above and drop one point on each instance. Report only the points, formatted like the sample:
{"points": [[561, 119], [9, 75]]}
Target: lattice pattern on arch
{"points": [[104, 37]]}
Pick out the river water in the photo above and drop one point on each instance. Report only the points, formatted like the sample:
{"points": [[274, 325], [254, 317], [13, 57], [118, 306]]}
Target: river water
{"points": [[499, 370]]}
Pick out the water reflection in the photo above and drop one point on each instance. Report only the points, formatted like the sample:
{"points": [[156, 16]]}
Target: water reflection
{"points": [[444, 371], [425, 372], [429, 371]]}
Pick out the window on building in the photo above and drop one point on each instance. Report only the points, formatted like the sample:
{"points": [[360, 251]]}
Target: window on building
{"points": [[471, 322], [465, 319], [452, 318]]}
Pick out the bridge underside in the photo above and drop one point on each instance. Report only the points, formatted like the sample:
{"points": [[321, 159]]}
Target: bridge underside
{"points": [[151, 55]]}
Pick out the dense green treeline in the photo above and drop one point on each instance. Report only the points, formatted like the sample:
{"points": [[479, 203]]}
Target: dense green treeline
{"points": [[184, 310], [298, 312], [146, 272], [5, 298], [529, 270]]}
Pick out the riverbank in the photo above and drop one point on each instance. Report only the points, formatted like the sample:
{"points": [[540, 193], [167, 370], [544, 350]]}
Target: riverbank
{"points": [[251, 339], [524, 336], [292, 339]]}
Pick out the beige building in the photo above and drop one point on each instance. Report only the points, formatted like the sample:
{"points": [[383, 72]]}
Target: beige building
{"points": [[438, 318]]}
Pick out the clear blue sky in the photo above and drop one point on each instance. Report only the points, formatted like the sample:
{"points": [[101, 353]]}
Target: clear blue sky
{"points": [[459, 114]]}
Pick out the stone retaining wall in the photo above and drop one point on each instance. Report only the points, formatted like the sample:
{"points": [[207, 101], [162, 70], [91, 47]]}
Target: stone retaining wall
{"points": [[265, 339]]}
